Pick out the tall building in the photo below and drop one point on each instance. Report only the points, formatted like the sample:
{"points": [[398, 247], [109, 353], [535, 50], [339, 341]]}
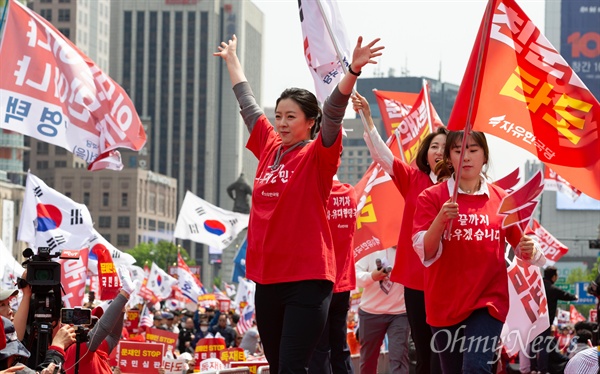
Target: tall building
{"points": [[162, 55]]}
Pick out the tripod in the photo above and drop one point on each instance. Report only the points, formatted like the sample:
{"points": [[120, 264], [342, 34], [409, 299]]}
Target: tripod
{"points": [[42, 333], [80, 337]]}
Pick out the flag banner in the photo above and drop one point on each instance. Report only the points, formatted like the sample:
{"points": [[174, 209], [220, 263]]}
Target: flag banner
{"points": [[159, 284], [246, 319], [50, 219], [378, 203], [245, 293], [190, 286], [53, 92], [552, 248], [319, 48], [10, 268], [168, 338], [408, 112], [98, 242], [528, 95], [202, 222], [562, 316], [528, 313], [239, 262], [519, 205], [554, 182], [574, 315], [146, 318], [73, 277], [108, 278], [509, 182]]}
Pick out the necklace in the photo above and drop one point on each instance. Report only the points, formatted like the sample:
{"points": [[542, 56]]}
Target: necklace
{"points": [[279, 155]]}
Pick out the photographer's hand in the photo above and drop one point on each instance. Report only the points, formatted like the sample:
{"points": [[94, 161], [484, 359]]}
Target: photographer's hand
{"points": [[378, 275], [13, 369], [64, 337], [20, 320]]}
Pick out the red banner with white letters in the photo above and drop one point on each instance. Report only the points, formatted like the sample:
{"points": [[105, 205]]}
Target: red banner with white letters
{"points": [[73, 276], [520, 89], [552, 248], [53, 92], [108, 278]]}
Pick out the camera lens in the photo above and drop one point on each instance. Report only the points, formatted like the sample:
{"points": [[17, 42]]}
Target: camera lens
{"points": [[43, 274]]}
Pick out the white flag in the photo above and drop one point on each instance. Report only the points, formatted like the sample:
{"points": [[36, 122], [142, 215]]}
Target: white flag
{"points": [[160, 283], [190, 285], [10, 268], [528, 313], [245, 293], [319, 49], [202, 222], [50, 219], [119, 257]]}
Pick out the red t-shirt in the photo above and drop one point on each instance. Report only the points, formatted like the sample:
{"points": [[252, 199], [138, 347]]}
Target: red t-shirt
{"points": [[288, 233], [89, 362], [408, 268], [341, 213], [471, 272]]}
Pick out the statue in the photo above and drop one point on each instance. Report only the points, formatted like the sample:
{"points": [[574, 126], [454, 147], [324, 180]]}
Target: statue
{"points": [[239, 192]]}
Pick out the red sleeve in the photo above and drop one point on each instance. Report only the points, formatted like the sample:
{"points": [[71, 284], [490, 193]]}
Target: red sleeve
{"points": [[261, 136], [428, 207]]}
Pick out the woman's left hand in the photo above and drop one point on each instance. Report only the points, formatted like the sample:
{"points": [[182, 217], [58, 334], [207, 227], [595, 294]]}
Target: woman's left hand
{"points": [[527, 246], [365, 55]]}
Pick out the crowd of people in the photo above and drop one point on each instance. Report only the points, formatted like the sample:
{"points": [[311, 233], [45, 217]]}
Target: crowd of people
{"points": [[445, 282]]}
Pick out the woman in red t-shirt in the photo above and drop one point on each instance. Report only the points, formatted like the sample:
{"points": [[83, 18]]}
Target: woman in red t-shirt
{"points": [[290, 251], [408, 268], [466, 284]]}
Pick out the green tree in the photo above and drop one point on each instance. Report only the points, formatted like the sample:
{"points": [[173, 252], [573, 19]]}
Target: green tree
{"points": [[581, 275], [163, 254]]}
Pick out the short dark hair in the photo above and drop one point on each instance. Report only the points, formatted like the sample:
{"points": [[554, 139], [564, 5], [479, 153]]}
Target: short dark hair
{"points": [[549, 272], [583, 336]]}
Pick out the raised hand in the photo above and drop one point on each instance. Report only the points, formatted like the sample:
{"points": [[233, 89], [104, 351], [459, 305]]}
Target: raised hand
{"points": [[227, 50], [363, 55]]}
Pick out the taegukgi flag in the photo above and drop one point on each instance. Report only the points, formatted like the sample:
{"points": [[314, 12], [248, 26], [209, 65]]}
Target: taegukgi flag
{"points": [[119, 257], [53, 92], [50, 219], [319, 48], [202, 222], [160, 284]]}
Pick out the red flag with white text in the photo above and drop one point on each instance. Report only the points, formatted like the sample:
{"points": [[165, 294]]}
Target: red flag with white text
{"points": [[72, 278], [519, 205], [379, 201], [553, 249], [52, 91], [108, 278], [396, 106], [528, 95]]}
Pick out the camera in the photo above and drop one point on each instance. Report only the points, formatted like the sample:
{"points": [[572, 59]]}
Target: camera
{"points": [[76, 316]]}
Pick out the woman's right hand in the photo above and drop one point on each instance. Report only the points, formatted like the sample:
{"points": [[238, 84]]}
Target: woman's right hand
{"points": [[359, 102], [227, 50], [448, 212]]}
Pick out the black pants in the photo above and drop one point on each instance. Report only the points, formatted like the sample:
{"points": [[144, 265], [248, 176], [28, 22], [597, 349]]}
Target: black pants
{"points": [[332, 354], [428, 362], [290, 318]]}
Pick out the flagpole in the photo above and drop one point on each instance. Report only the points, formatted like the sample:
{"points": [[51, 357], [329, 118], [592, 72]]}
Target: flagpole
{"points": [[397, 134], [3, 17], [484, 35], [340, 57], [468, 125], [428, 105]]}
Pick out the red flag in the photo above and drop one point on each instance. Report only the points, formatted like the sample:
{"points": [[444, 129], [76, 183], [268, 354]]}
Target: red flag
{"points": [[575, 316], [519, 205], [72, 278], [108, 278], [396, 106], [520, 89], [53, 92], [509, 182], [552, 248], [379, 201]]}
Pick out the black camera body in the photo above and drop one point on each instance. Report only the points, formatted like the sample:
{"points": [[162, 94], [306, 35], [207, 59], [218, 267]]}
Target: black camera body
{"points": [[43, 275]]}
